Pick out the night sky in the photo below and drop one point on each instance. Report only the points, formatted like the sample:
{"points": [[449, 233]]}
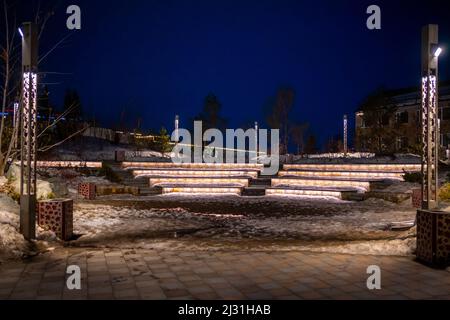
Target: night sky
{"points": [[155, 59]]}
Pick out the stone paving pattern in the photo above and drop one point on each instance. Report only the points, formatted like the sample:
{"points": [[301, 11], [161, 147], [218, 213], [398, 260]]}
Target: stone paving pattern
{"points": [[211, 275]]}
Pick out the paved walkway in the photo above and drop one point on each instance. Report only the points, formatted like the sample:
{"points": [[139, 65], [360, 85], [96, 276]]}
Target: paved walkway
{"points": [[151, 274]]}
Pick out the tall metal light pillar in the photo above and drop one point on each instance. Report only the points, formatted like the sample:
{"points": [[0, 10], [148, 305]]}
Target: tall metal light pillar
{"points": [[345, 135], [256, 140], [432, 224], [16, 121], [28, 131], [15, 114], [430, 117], [177, 128]]}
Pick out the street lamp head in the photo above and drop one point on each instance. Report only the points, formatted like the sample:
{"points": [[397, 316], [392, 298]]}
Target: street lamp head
{"points": [[437, 52], [21, 32]]}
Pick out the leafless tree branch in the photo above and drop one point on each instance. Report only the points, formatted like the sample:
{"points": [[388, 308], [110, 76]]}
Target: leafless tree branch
{"points": [[55, 47], [45, 149]]}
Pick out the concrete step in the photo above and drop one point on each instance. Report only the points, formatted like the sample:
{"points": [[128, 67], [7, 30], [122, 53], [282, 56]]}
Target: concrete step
{"points": [[384, 167], [254, 192], [322, 183], [261, 182], [213, 181], [339, 193], [154, 173], [191, 166], [356, 197], [151, 191], [189, 189], [342, 174]]}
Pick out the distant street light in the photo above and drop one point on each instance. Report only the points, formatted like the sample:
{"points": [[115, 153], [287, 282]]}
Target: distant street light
{"points": [[345, 135], [177, 128], [256, 139], [21, 33], [15, 114]]}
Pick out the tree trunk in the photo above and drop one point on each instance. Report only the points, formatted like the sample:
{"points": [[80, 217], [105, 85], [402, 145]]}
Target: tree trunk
{"points": [[7, 52]]}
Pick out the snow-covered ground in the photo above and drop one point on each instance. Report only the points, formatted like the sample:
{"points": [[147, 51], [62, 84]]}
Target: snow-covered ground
{"points": [[12, 244], [354, 158], [100, 150], [210, 222], [295, 224]]}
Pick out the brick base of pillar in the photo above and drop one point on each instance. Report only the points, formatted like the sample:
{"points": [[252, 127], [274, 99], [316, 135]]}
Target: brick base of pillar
{"points": [[433, 238], [57, 216], [417, 198]]}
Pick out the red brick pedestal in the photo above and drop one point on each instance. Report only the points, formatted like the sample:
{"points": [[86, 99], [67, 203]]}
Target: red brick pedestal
{"points": [[87, 190], [57, 216], [433, 237]]}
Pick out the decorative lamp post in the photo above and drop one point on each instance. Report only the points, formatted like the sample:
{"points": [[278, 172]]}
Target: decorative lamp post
{"points": [[28, 123], [177, 127], [430, 117], [15, 114], [432, 224], [345, 135], [256, 140]]}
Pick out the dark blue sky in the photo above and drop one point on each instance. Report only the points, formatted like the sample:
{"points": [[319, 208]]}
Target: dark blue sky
{"points": [[155, 59]]}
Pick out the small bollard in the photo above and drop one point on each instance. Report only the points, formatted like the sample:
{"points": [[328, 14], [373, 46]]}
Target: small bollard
{"points": [[87, 190]]}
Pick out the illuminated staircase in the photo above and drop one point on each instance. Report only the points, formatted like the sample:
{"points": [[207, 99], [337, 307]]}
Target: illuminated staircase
{"points": [[340, 181]]}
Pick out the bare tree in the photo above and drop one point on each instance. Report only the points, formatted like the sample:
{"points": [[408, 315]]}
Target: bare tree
{"points": [[9, 63], [10, 79], [379, 118], [298, 132], [278, 117]]}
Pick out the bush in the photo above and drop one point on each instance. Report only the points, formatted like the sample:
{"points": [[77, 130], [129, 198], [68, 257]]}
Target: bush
{"points": [[10, 191], [444, 192], [14, 195], [109, 174], [413, 177]]}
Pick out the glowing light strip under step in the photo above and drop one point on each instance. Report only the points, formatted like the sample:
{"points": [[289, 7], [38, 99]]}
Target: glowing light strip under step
{"points": [[321, 183], [193, 173], [67, 164], [355, 167], [300, 192], [194, 190], [200, 181], [169, 165], [343, 174]]}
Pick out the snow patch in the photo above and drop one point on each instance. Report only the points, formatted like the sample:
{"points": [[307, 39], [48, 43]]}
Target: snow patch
{"points": [[404, 247], [12, 243]]}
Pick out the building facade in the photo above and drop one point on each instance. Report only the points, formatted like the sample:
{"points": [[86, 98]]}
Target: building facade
{"points": [[400, 125]]}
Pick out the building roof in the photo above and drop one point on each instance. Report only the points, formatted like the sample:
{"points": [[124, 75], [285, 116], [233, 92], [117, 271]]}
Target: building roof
{"points": [[412, 96]]}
